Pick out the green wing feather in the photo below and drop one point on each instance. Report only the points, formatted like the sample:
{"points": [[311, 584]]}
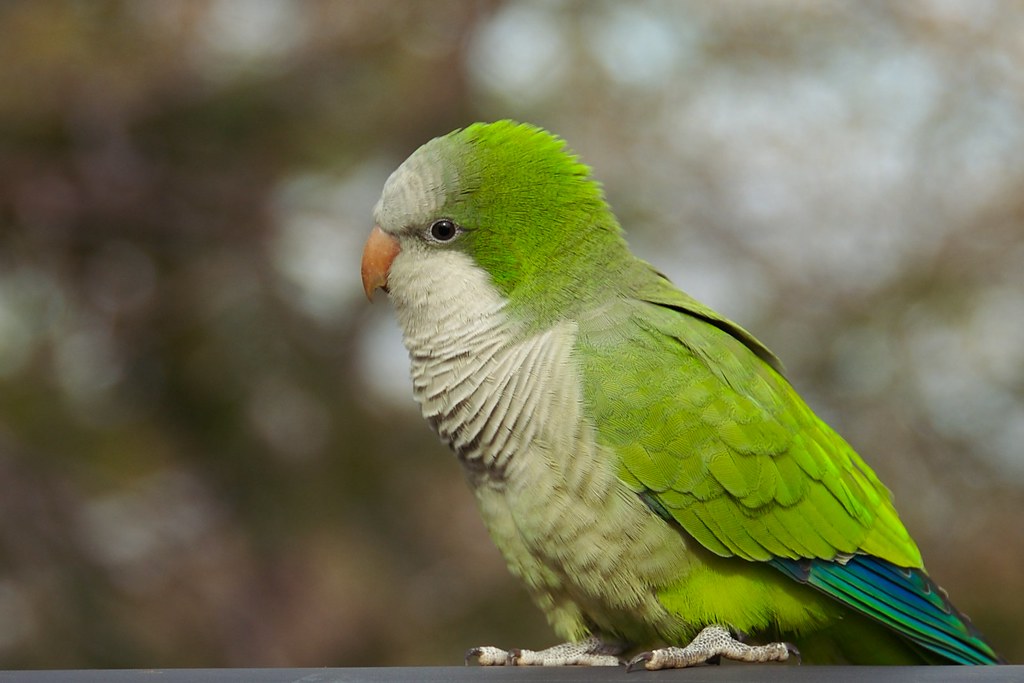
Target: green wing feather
{"points": [[726, 446]]}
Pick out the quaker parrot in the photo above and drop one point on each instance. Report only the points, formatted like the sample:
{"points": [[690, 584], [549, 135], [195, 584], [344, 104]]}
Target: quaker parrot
{"points": [[641, 462]]}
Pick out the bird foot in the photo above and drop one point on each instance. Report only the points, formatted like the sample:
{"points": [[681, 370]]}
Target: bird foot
{"points": [[589, 652], [710, 644]]}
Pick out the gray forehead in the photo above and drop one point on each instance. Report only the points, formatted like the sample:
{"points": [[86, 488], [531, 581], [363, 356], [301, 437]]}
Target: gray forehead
{"points": [[416, 191]]}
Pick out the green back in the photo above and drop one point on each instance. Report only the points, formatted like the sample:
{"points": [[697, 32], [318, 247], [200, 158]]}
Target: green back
{"points": [[718, 441]]}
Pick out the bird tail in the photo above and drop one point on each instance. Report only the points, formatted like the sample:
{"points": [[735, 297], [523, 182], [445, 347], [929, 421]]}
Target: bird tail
{"points": [[904, 599]]}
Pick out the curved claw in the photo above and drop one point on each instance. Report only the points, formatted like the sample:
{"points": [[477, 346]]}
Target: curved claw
{"points": [[794, 651], [639, 663]]}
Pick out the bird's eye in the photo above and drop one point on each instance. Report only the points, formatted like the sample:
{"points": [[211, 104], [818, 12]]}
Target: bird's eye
{"points": [[443, 230]]}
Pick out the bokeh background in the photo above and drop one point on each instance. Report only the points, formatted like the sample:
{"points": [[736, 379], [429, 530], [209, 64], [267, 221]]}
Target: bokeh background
{"points": [[209, 455]]}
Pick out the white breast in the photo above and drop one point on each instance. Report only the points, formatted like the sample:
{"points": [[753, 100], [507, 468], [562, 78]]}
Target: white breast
{"points": [[510, 406]]}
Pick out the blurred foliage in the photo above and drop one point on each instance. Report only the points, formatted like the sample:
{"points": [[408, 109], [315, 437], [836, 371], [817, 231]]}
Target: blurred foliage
{"points": [[208, 453]]}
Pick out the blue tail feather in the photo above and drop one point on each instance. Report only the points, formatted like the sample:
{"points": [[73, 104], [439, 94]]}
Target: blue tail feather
{"points": [[920, 603], [863, 597], [916, 610], [905, 600]]}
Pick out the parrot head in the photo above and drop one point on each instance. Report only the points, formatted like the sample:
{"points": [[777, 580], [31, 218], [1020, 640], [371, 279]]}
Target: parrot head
{"points": [[501, 211]]}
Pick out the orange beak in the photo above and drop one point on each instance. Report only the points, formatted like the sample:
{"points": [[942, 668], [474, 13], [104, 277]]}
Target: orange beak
{"points": [[380, 250]]}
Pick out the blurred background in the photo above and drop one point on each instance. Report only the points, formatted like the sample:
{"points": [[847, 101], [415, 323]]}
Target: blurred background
{"points": [[209, 454]]}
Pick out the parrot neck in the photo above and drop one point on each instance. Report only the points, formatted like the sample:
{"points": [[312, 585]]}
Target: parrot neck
{"points": [[444, 302], [573, 285], [486, 386]]}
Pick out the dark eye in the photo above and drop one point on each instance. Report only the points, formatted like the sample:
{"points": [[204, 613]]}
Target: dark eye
{"points": [[443, 230]]}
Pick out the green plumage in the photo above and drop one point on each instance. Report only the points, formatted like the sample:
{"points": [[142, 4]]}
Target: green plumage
{"points": [[749, 510], [730, 450]]}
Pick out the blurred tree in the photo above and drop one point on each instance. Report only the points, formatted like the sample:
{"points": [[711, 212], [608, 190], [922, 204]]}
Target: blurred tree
{"points": [[208, 456]]}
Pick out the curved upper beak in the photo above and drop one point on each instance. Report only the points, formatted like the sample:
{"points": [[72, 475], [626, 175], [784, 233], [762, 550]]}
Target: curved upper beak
{"points": [[380, 250]]}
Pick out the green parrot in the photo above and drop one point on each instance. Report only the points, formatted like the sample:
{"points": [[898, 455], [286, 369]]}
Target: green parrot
{"points": [[641, 462]]}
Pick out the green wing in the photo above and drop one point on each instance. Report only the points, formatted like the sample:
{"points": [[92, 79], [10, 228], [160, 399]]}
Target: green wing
{"points": [[713, 436]]}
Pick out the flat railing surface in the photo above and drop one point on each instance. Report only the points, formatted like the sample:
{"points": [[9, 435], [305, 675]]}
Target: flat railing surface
{"points": [[751, 673]]}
